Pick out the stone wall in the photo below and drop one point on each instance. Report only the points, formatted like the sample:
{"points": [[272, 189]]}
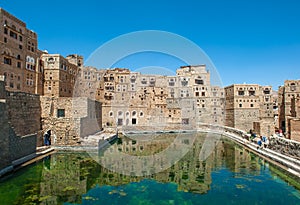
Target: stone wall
{"points": [[19, 122], [4, 137], [21, 146], [285, 146], [278, 144], [24, 112], [244, 118], [264, 127], [295, 129], [70, 119]]}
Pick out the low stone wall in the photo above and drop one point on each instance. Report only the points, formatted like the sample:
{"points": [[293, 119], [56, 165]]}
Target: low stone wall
{"points": [[285, 146], [278, 144]]}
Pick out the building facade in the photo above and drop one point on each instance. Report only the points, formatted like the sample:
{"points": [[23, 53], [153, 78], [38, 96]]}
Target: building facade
{"points": [[70, 119], [131, 99], [59, 75], [287, 99], [250, 106], [68, 110], [20, 57]]}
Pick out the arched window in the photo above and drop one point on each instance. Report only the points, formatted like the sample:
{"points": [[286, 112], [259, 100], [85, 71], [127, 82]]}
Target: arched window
{"points": [[111, 113], [120, 113], [133, 113], [293, 86]]}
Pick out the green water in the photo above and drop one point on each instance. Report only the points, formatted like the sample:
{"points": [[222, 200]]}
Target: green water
{"points": [[230, 175]]}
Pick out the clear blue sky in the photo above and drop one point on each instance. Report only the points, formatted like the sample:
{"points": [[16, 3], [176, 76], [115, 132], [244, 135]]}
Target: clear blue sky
{"points": [[249, 41]]}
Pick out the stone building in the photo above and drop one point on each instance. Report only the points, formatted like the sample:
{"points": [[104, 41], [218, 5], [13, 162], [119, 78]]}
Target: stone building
{"points": [[294, 120], [133, 99], [69, 108], [88, 83], [288, 98], [20, 57], [20, 123], [59, 74], [70, 119], [250, 106]]}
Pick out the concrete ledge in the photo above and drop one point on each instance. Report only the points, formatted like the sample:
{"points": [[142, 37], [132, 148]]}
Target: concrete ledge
{"points": [[78, 148], [24, 161], [6, 170]]}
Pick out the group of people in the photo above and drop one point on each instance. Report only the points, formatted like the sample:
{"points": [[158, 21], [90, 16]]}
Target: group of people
{"points": [[262, 141]]}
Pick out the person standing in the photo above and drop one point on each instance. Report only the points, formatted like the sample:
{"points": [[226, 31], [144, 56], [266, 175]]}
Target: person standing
{"points": [[47, 138]]}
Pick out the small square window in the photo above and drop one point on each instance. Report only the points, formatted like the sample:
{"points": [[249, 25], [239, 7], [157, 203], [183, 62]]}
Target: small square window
{"points": [[60, 113]]}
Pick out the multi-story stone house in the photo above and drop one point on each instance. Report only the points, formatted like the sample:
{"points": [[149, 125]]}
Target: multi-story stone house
{"points": [[69, 108], [131, 99], [288, 109], [20, 57], [248, 107]]}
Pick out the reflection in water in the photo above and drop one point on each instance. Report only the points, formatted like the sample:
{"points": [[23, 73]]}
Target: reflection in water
{"points": [[76, 178]]}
